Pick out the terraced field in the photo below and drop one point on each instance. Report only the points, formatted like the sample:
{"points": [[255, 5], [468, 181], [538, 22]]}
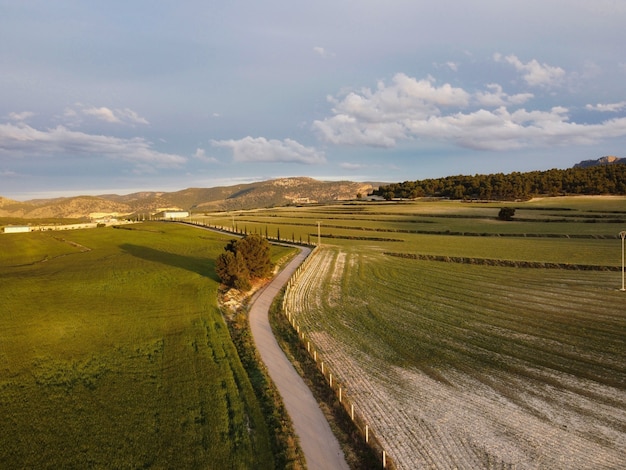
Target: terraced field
{"points": [[460, 365]]}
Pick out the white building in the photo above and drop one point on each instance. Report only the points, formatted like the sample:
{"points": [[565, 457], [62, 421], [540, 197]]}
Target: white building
{"points": [[16, 229], [174, 214]]}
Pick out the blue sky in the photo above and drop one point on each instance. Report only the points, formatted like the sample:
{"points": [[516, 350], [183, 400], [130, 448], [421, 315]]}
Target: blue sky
{"points": [[101, 97]]}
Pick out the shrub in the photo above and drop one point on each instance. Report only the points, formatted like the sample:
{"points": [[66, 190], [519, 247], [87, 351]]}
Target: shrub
{"points": [[506, 213]]}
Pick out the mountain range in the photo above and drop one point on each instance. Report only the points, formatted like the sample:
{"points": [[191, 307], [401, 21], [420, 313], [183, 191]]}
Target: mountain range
{"points": [[271, 193], [277, 192]]}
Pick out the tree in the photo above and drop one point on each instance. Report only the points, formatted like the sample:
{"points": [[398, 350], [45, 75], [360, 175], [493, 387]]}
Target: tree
{"points": [[506, 213], [244, 260], [231, 269]]}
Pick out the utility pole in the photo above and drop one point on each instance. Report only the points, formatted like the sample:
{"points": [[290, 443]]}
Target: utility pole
{"points": [[622, 235], [319, 234]]}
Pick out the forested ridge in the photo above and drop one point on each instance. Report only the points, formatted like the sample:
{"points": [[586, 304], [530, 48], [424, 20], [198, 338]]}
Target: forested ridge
{"points": [[596, 180]]}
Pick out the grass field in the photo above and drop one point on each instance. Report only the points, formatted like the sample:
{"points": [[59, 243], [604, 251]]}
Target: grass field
{"points": [[463, 365], [560, 230], [113, 354]]}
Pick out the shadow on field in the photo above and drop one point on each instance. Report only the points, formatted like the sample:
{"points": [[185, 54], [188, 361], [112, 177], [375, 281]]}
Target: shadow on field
{"points": [[202, 266]]}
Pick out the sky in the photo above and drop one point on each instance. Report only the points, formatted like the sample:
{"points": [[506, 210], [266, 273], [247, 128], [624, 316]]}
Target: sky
{"points": [[126, 96]]}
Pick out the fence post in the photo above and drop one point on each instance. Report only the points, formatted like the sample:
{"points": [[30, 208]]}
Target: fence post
{"points": [[352, 411], [367, 434], [384, 460], [339, 394], [331, 380]]}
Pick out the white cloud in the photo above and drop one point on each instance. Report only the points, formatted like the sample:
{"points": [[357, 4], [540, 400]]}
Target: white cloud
{"points": [[200, 154], [535, 74], [503, 130], [607, 108], [125, 116], [377, 117], [23, 141], [23, 116], [496, 97], [449, 65], [130, 116], [260, 149], [343, 129], [104, 114], [323, 53], [411, 109]]}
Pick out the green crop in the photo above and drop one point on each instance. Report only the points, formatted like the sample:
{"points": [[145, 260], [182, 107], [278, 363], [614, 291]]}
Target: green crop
{"points": [[114, 354]]}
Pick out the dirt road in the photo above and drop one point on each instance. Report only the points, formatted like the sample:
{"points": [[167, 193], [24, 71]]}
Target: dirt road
{"points": [[320, 447]]}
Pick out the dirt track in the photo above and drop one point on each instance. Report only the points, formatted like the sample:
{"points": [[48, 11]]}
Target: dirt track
{"points": [[321, 448]]}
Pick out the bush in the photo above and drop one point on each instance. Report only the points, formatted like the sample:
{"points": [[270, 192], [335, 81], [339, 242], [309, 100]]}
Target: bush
{"points": [[506, 213]]}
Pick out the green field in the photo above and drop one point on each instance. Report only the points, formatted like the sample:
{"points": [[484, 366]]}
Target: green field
{"points": [[558, 230], [113, 354], [465, 365]]}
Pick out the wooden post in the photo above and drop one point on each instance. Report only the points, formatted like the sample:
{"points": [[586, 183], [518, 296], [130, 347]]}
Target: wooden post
{"points": [[331, 380], [384, 460], [308, 346], [315, 356], [352, 412], [339, 394], [367, 433], [322, 367]]}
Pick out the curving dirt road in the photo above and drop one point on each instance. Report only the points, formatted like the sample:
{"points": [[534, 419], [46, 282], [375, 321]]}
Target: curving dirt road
{"points": [[321, 448]]}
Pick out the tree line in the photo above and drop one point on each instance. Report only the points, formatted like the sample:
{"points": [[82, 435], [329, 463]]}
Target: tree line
{"points": [[596, 180]]}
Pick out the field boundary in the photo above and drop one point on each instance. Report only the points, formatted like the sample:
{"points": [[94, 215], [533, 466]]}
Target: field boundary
{"points": [[503, 262]]}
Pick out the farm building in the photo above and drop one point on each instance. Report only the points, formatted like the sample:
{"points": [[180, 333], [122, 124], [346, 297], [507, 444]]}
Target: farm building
{"points": [[16, 229], [173, 214]]}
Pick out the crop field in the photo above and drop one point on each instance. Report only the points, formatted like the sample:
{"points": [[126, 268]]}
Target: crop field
{"points": [[461, 364], [113, 354]]}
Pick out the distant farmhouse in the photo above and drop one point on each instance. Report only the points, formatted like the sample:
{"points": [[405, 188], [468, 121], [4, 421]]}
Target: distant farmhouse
{"points": [[16, 229], [42, 228], [171, 214]]}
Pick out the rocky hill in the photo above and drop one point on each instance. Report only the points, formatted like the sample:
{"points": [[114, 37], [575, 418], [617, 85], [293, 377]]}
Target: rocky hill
{"points": [[278, 192], [608, 160]]}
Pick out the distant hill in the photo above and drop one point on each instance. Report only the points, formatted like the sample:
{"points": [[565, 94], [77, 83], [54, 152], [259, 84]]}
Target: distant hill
{"points": [[278, 192], [608, 160], [590, 179]]}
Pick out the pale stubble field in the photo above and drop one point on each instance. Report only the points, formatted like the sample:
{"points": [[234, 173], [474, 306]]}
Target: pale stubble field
{"points": [[457, 365], [515, 370]]}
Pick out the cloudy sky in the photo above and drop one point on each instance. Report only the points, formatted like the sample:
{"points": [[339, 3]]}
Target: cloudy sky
{"points": [[99, 97]]}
